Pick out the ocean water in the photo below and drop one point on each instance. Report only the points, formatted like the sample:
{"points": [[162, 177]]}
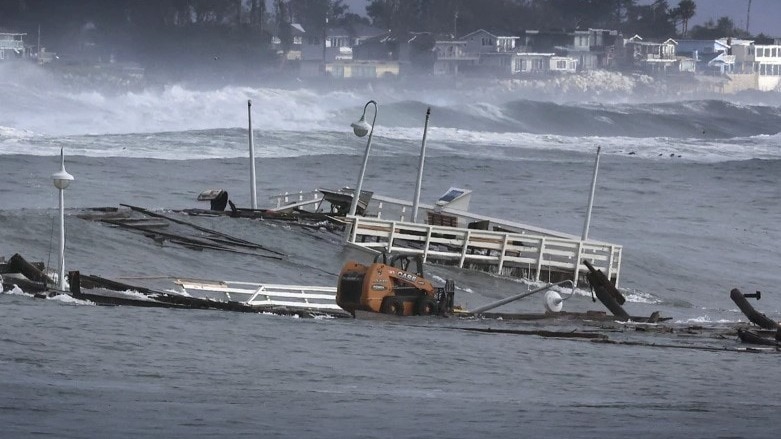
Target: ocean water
{"points": [[689, 186]]}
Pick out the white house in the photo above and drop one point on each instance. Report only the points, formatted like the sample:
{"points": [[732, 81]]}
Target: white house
{"points": [[527, 63], [294, 51], [452, 57], [482, 41], [760, 61], [710, 56], [337, 43], [593, 48], [11, 46], [651, 57]]}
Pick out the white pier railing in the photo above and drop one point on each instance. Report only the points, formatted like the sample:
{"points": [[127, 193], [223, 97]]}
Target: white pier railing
{"points": [[292, 297], [296, 199], [471, 240], [523, 254]]}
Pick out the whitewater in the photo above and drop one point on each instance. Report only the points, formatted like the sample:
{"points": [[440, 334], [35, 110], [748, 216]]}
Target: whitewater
{"points": [[688, 184]]}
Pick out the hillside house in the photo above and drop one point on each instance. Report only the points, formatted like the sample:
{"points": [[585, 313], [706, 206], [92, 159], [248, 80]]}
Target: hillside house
{"points": [[649, 57], [338, 43], [355, 69], [592, 48], [481, 41], [453, 58], [758, 64], [11, 46], [525, 63], [710, 56], [294, 50]]}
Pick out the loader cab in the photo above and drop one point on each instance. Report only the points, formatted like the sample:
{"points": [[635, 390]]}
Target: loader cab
{"points": [[409, 263]]}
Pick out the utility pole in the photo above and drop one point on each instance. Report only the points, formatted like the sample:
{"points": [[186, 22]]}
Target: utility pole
{"points": [[455, 24], [325, 37], [748, 15]]}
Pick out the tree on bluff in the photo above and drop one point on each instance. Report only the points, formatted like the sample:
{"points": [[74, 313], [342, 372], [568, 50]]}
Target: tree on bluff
{"points": [[723, 27], [458, 17]]}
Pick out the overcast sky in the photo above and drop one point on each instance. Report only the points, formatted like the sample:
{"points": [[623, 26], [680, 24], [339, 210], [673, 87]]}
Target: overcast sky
{"points": [[765, 14]]}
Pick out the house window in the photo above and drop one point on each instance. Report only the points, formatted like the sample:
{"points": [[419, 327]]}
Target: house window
{"points": [[523, 65], [338, 42], [561, 65], [337, 71], [775, 53]]}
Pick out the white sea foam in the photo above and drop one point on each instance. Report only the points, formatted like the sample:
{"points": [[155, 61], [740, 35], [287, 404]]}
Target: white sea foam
{"points": [[16, 291], [64, 298], [706, 319]]}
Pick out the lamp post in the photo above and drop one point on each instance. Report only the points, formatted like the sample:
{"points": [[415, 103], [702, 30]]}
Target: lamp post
{"points": [[253, 184], [361, 128], [61, 181], [591, 197], [418, 184]]}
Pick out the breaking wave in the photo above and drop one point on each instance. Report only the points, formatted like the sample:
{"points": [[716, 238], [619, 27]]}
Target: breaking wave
{"points": [[175, 122]]}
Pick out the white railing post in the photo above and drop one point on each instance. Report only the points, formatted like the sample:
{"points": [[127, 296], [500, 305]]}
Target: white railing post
{"points": [[618, 267], [354, 231], [428, 243], [467, 235], [610, 262], [577, 263], [391, 236], [539, 259], [504, 249]]}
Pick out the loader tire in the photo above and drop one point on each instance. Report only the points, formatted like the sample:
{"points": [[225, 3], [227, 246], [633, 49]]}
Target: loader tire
{"points": [[426, 306], [393, 305]]}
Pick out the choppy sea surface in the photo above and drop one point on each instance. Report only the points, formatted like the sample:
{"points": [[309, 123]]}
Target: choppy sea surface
{"points": [[689, 187]]}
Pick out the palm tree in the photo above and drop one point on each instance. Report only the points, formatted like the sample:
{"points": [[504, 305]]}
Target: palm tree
{"points": [[686, 9]]}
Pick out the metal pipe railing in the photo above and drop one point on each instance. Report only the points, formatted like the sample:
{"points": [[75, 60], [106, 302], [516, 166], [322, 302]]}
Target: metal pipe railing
{"points": [[507, 300]]}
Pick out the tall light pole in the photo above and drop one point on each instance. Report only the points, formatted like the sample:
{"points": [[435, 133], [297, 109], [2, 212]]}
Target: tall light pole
{"points": [[61, 181], [418, 184], [591, 197], [361, 128], [252, 187]]}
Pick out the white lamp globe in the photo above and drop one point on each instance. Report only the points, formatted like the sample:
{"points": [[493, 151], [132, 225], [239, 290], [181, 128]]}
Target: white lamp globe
{"points": [[62, 179], [361, 128]]}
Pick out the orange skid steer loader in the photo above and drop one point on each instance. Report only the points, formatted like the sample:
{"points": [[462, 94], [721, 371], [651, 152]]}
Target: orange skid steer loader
{"points": [[394, 286]]}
